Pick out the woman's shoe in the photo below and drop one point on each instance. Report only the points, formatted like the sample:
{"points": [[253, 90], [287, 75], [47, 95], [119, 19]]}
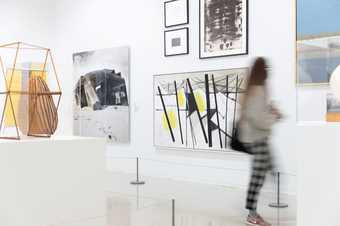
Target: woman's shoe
{"points": [[256, 221]]}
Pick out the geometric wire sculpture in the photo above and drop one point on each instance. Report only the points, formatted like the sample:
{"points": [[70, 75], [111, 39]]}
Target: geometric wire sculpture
{"points": [[30, 94]]}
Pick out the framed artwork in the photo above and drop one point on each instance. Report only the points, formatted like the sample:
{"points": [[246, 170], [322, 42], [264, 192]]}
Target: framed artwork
{"points": [[101, 94], [176, 42], [197, 110], [333, 109], [317, 43], [223, 28], [176, 12]]}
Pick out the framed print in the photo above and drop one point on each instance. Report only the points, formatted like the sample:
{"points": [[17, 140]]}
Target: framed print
{"points": [[333, 108], [176, 12], [176, 42], [317, 43], [223, 28], [197, 110]]}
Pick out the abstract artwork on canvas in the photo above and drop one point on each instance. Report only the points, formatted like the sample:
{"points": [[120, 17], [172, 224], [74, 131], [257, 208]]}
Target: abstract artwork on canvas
{"points": [[197, 110], [101, 94]]}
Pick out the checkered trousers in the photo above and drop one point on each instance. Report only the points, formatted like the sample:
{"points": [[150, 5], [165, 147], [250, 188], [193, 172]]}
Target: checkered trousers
{"points": [[261, 164]]}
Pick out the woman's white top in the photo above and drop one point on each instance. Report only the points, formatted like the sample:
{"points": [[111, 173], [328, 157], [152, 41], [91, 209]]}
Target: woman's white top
{"points": [[256, 120]]}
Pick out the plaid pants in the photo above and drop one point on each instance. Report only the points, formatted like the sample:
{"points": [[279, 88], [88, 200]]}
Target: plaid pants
{"points": [[261, 164]]}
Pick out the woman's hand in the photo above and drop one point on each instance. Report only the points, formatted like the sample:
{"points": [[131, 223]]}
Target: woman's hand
{"points": [[275, 111]]}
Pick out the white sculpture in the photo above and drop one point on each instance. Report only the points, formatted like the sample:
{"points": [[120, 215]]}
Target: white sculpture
{"points": [[335, 83]]}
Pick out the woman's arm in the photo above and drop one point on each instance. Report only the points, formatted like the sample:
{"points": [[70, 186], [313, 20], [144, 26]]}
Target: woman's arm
{"points": [[258, 112]]}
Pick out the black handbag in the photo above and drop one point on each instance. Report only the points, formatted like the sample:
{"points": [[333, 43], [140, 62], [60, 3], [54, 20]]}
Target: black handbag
{"points": [[236, 144]]}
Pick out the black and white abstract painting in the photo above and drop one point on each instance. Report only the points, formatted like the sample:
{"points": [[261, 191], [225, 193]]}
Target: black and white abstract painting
{"points": [[101, 94], [197, 110], [223, 28], [176, 42]]}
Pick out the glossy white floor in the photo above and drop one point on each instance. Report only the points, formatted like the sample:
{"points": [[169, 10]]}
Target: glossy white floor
{"points": [[195, 205]]}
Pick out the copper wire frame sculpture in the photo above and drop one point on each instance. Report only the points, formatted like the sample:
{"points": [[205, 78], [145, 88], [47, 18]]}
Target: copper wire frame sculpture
{"points": [[42, 112]]}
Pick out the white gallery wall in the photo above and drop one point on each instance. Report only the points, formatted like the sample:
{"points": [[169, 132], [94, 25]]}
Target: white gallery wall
{"points": [[72, 26], [87, 25], [30, 21]]}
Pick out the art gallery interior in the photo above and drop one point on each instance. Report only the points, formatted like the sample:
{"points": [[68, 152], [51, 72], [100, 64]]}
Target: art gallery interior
{"points": [[119, 147]]}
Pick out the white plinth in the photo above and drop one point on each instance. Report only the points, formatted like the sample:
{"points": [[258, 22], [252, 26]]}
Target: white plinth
{"points": [[51, 181], [318, 171]]}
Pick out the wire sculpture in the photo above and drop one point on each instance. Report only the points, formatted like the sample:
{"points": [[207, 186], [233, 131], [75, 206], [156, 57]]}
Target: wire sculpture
{"points": [[29, 99]]}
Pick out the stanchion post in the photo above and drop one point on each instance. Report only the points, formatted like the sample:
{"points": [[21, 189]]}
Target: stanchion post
{"points": [[278, 203], [137, 181], [173, 212]]}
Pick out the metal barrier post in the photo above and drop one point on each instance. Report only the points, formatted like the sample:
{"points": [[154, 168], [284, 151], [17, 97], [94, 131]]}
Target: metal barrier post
{"points": [[278, 203], [137, 181]]}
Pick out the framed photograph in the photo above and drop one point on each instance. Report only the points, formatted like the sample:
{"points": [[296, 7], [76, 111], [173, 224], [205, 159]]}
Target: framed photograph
{"points": [[317, 44], [176, 12], [176, 42], [223, 28], [197, 110]]}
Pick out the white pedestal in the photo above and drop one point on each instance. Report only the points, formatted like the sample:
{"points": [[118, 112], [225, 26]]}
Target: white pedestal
{"points": [[51, 181], [318, 172]]}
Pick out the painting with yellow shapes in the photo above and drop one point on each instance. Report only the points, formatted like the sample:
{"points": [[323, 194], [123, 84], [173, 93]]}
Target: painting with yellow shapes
{"points": [[197, 110]]}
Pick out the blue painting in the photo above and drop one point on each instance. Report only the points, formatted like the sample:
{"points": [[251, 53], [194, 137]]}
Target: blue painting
{"points": [[317, 17]]}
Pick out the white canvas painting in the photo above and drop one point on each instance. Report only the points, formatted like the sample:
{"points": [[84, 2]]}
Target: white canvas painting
{"points": [[197, 110], [101, 94], [176, 12]]}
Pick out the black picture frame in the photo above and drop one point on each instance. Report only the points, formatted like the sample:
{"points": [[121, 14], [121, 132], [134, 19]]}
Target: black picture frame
{"points": [[246, 52], [165, 14], [187, 42]]}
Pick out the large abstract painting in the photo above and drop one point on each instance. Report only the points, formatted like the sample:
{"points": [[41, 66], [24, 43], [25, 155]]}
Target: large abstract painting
{"points": [[318, 41], [223, 28], [101, 94], [197, 110]]}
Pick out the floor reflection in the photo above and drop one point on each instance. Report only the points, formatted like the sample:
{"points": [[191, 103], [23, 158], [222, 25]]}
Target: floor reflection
{"points": [[195, 205]]}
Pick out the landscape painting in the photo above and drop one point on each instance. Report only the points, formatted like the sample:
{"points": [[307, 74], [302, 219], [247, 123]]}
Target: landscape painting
{"points": [[318, 41]]}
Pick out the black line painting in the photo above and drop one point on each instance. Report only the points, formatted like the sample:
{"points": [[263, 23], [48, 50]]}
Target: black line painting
{"points": [[197, 110], [178, 113]]}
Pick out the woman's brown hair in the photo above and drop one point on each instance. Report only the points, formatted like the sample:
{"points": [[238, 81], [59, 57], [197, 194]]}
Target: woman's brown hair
{"points": [[258, 72], [257, 76]]}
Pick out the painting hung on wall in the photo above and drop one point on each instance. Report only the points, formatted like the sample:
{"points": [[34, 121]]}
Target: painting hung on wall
{"points": [[333, 109], [317, 43], [317, 58], [101, 94], [197, 110], [223, 28], [176, 42], [176, 12]]}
